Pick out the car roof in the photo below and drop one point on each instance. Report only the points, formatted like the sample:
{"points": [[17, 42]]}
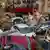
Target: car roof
{"points": [[21, 25], [16, 18]]}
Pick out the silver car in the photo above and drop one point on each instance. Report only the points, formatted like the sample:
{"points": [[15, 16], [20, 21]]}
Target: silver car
{"points": [[22, 29]]}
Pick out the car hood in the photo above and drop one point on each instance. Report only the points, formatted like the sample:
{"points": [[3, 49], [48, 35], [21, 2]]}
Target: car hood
{"points": [[21, 34], [30, 34]]}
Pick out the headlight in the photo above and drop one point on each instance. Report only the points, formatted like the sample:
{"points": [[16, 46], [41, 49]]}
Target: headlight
{"points": [[6, 47]]}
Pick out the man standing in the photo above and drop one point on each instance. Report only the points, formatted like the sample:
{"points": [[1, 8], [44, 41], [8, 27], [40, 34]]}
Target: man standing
{"points": [[35, 18], [38, 16]]}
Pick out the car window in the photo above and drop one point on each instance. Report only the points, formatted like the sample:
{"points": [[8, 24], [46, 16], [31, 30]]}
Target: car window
{"points": [[26, 30], [18, 21]]}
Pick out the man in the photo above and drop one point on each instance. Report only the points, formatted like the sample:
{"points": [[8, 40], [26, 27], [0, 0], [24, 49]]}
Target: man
{"points": [[47, 42], [38, 16], [31, 20], [35, 18]]}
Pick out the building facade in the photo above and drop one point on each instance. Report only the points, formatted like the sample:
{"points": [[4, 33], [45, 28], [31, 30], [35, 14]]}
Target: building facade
{"points": [[44, 6]]}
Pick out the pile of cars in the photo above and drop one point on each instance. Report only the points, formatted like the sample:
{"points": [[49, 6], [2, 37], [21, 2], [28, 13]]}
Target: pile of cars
{"points": [[21, 33], [18, 30]]}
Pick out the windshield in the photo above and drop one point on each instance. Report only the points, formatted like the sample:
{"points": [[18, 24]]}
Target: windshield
{"points": [[26, 30], [18, 21]]}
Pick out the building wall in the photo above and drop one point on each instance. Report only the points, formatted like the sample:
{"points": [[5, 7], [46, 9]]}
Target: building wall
{"points": [[44, 6], [49, 6]]}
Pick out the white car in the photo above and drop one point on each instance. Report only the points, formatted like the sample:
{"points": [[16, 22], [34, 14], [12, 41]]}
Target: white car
{"points": [[23, 29], [17, 20], [44, 26]]}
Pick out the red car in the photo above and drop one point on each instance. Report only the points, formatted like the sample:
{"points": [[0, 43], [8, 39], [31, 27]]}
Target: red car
{"points": [[26, 42]]}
